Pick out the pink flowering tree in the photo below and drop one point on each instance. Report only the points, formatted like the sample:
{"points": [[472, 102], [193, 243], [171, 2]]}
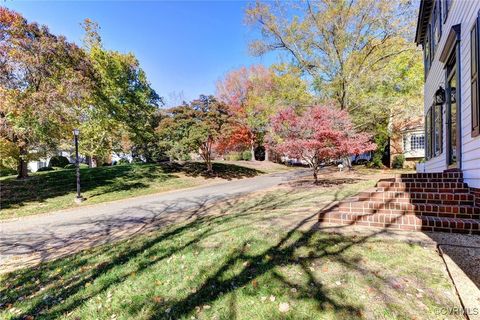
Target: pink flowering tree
{"points": [[320, 134]]}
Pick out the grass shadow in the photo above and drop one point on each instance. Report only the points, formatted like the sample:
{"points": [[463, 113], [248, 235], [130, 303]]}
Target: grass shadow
{"points": [[220, 170], [253, 260]]}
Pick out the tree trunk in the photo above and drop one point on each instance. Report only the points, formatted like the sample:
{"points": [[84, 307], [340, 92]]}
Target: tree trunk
{"points": [[209, 166], [22, 168], [89, 161], [252, 150], [348, 161], [267, 154], [315, 175]]}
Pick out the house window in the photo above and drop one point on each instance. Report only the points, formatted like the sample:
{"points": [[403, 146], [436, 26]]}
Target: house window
{"points": [[417, 141], [434, 132], [438, 129], [436, 28], [428, 131], [446, 8], [426, 52], [474, 85]]}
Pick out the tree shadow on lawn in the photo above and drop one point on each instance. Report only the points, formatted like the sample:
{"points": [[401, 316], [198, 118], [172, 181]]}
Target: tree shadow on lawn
{"points": [[106, 180], [220, 170], [59, 287]]}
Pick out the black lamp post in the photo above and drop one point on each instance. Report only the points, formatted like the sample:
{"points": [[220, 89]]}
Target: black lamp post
{"points": [[78, 198]]}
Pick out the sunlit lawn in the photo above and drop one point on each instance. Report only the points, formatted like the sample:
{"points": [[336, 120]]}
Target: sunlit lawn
{"points": [[239, 261], [54, 190]]}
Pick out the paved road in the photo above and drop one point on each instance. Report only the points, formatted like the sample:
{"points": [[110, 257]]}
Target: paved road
{"points": [[39, 238]]}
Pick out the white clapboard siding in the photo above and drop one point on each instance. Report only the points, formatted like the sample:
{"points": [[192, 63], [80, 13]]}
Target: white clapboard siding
{"points": [[464, 13]]}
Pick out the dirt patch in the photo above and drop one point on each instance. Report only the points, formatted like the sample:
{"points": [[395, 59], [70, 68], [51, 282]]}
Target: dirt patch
{"points": [[463, 264], [325, 183], [468, 259]]}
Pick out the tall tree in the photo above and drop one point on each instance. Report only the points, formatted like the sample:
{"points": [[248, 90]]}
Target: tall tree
{"points": [[123, 103], [195, 128], [320, 134], [43, 80], [253, 95], [356, 52], [336, 41]]}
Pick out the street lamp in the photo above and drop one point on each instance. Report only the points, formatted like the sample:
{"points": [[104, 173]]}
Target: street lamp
{"points": [[78, 198]]}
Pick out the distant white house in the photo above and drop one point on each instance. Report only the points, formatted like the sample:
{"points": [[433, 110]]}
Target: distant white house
{"points": [[33, 166], [115, 157], [414, 144]]}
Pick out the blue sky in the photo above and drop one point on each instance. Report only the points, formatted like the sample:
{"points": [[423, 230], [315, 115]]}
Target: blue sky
{"points": [[183, 46]]}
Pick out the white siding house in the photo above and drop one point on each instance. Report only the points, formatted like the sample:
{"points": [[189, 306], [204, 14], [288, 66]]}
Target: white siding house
{"points": [[448, 31]]}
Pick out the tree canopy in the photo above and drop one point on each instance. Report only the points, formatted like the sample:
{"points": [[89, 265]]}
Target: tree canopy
{"points": [[253, 95], [320, 134], [196, 127], [358, 54], [43, 81]]}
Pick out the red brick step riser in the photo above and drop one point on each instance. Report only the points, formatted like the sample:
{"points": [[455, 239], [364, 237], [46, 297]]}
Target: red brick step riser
{"points": [[404, 222], [423, 185], [411, 209], [386, 211], [401, 195], [408, 206], [426, 180], [415, 189], [450, 175]]}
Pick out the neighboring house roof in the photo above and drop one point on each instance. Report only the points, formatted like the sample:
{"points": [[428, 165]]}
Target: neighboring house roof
{"points": [[413, 125], [423, 16]]}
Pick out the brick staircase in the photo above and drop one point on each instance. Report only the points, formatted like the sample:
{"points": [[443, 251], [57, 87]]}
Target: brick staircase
{"points": [[419, 201]]}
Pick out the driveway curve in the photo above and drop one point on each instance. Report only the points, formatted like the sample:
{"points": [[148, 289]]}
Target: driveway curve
{"points": [[35, 239]]}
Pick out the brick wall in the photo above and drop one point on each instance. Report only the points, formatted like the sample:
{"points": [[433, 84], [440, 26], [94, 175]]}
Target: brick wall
{"points": [[476, 193]]}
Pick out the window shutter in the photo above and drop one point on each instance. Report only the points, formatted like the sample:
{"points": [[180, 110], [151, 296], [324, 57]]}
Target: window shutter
{"points": [[474, 85]]}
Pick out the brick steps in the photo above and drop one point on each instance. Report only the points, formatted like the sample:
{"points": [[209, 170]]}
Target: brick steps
{"points": [[417, 197], [436, 210], [413, 189], [423, 187], [423, 202], [425, 180], [403, 222]]}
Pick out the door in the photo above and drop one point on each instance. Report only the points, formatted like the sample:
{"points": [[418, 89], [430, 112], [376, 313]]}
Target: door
{"points": [[453, 147]]}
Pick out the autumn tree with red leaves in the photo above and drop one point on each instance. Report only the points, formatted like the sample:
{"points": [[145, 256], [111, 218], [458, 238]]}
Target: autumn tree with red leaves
{"points": [[320, 134], [253, 95]]}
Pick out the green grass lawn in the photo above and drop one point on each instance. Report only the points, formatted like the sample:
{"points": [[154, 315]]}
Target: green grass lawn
{"points": [[54, 190], [239, 260]]}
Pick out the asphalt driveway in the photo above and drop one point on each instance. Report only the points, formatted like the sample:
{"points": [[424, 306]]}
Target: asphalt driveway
{"points": [[44, 237]]}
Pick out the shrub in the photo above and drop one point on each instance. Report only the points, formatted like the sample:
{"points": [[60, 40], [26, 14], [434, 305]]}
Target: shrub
{"points": [[137, 160], [234, 156], [45, 169], [58, 161], [398, 161], [123, 161], [376, 161], [4, 171], [72, 166], [246, 155]]}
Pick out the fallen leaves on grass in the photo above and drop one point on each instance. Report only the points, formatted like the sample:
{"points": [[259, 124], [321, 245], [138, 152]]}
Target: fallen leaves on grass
{"points": [[284, 307]]}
